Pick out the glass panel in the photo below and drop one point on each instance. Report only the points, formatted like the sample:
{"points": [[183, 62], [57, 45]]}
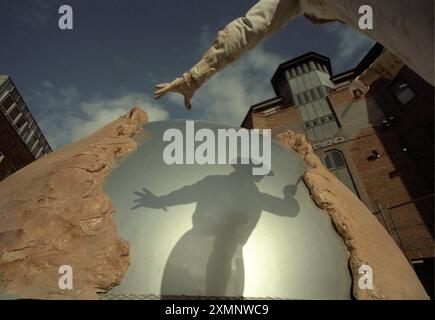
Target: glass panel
{"points": [[36, 146], [328, 161], [20, 103], [318, 109], [15, 112], [319, 92], [405, 94], [21, 122], [324, 91], [307, 81], [287, 75], [32, 139], [301, 85], [338, 159], [307, 96], [315, 94], [294, 86], [25, 131], [311, 112], [312, 66], [315, 80], [7, 103], [299, 70], [301, 98], [14, 94]]}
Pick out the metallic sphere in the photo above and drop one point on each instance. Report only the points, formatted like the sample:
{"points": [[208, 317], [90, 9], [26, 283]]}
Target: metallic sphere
{"points": [[219, 231]]}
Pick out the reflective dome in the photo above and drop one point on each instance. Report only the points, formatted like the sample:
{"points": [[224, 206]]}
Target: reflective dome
{"points": [[218, 230]]}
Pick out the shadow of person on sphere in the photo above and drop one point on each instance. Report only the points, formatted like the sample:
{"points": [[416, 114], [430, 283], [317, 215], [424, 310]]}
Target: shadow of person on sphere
{"points": [[208, 259]]}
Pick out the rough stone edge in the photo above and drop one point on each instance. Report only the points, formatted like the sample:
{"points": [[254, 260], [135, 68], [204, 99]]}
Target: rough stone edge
{"points": [[70, 178], [365, 238]]}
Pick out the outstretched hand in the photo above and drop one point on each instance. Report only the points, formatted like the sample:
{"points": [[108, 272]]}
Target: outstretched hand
{"points": [[184, 85], [146, 199]]}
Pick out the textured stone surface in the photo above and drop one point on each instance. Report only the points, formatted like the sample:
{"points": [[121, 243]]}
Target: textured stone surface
{"points": [[53, 212], [367, 241]]}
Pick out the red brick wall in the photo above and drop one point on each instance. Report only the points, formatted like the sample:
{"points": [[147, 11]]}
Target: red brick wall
{"points": [[289, 116], [341, 97], [393, 180]]}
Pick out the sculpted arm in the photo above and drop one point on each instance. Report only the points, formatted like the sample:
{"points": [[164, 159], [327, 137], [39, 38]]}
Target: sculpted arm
{"points": [[239, 36]]}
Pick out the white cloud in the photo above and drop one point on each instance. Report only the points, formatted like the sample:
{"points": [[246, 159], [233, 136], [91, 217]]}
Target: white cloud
{"points": [[352, 45], [47, 84], [66, 119], [96, 114], [227, 96]]}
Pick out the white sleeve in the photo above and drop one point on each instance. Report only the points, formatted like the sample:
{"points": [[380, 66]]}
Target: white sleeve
{"points": [[243, 34]]}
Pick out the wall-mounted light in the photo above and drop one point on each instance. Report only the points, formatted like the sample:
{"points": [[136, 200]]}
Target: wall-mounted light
{"points": [[387, 122], [374, 156]]}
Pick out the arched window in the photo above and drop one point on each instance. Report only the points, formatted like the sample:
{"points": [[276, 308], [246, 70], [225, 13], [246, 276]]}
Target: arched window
{"points": [[335, 162], [299, 70]]}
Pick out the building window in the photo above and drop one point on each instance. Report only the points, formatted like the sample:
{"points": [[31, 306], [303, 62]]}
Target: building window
{"points": [[35, 148], [315, 93], [403, 92], [26, 113], [15, 94], [299, 70], [306, 96], [14, 114], [32, 137], [21, 122], [7, 103], [335, 162]]}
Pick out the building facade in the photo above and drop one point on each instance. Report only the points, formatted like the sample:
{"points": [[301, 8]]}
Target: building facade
{"points": [[380, 146], [21, 139]]}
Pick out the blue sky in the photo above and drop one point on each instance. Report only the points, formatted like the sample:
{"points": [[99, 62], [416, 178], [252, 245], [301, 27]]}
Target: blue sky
{"points": [[76, 81]]}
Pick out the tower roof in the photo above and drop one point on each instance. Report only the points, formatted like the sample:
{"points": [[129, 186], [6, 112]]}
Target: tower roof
{"points": [[309, 56]]}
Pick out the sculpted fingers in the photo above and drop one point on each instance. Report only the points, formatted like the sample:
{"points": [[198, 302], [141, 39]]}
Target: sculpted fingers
{"points": [[162, 89]]}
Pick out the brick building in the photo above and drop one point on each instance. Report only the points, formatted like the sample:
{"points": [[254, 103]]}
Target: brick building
{"points": [[21, 140], [381, 146]]}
